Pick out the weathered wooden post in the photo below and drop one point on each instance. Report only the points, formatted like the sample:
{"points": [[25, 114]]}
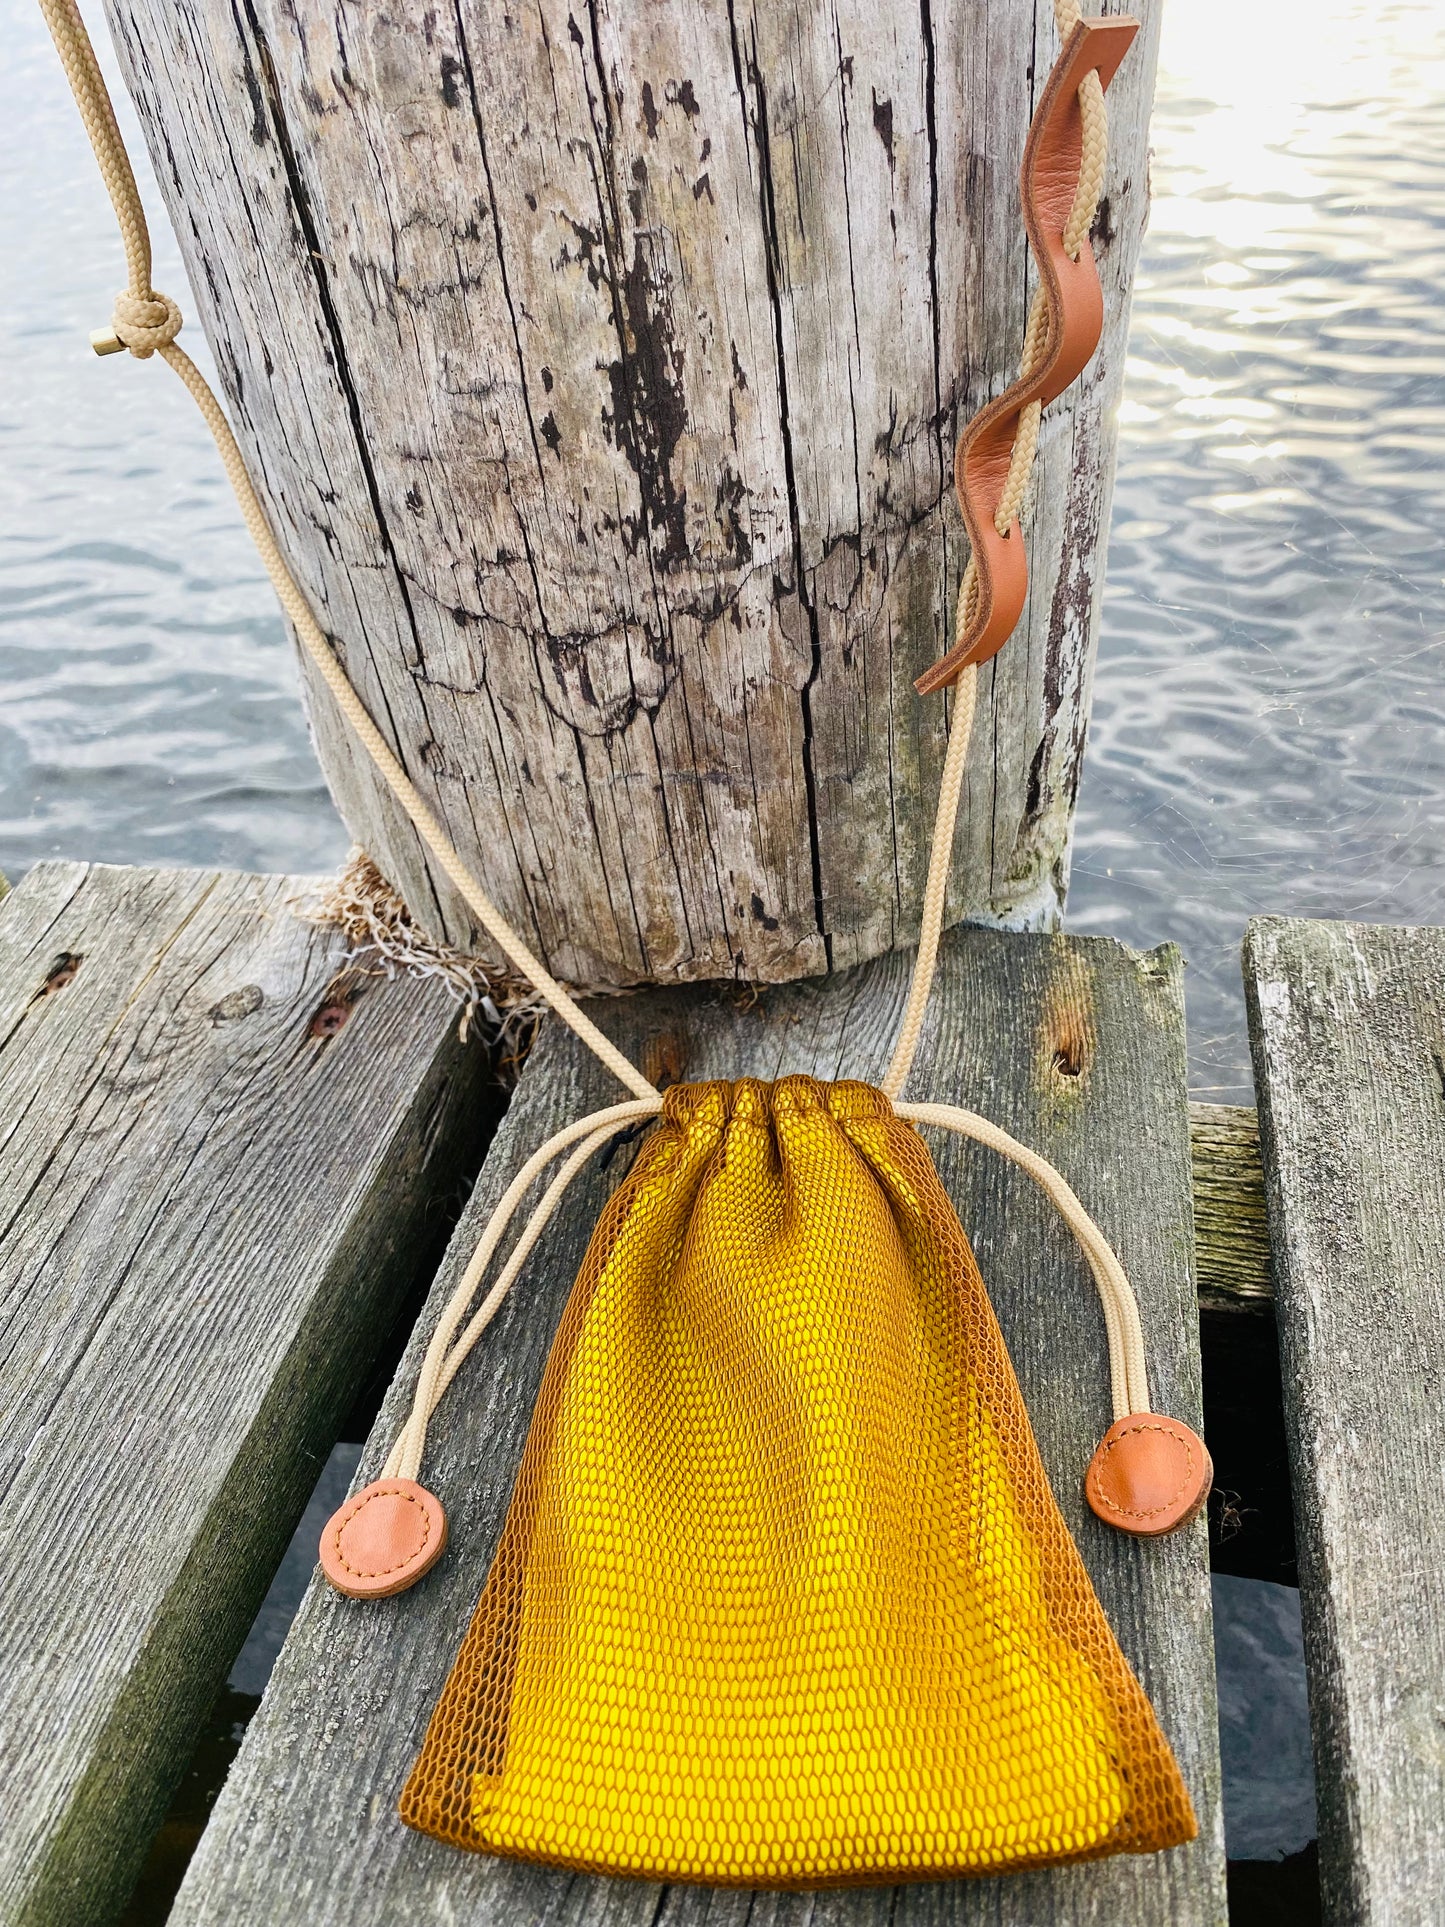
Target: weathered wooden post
{"points": [[601, 366]]}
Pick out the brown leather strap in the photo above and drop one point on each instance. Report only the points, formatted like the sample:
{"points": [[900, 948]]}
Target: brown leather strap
{"points": [[1049, 177]]}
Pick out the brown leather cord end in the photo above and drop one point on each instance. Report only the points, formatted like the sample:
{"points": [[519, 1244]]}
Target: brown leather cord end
{"points": [[1150, 1475], [1052, 165], [383, 1539]]}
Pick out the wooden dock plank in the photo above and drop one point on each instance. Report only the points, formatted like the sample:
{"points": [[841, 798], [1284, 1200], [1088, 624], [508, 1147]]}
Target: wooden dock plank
{"points": [[208, 1215], [1231, 1229], [1075, 1045], [1348, 1027]]}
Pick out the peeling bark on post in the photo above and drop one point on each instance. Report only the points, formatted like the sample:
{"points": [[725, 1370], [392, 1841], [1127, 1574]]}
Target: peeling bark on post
{"points": [[601, 367]]}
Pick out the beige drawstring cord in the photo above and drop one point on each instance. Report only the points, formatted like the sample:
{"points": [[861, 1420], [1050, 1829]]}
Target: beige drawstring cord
{"points": [[1127, 1372], [1127, 1369], [940, 862], [146, 323], [1093, 162], [447, 1353], [444, 1360]]}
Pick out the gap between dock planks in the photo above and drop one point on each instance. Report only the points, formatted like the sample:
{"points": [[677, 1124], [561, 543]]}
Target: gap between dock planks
{"points": [[1231, 1228], [211, 1206], [1075, 1045], [1348, 1028]]}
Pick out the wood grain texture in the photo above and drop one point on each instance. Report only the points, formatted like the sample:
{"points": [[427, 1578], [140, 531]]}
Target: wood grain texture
{"points": [[1231, 1228], [1348, 1028], [600, 366], [207, 1217], [1075, 1045]]}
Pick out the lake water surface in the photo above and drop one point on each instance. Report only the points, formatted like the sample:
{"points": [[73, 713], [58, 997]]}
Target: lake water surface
{"points": [[1269, 719]]}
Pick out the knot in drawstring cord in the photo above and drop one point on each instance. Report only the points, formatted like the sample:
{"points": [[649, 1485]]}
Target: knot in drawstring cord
{"points": [[140, 322]]}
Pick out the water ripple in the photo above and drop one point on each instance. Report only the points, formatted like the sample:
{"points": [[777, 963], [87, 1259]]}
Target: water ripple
{"points": [[152, 708], [1267, 730]]}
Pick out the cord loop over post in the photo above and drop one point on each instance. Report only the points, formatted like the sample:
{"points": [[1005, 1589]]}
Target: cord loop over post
{"points": [[146, 323]]}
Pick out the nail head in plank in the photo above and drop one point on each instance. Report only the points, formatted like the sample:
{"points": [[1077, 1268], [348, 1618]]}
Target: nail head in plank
{"points": [[1077, 1046], [1348, 1029], [208, 1212]]}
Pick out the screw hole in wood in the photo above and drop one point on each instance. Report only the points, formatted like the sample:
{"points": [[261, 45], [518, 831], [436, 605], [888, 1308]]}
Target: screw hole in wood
{"points": [[329, 1019], [62, 971], [664, 1059]]}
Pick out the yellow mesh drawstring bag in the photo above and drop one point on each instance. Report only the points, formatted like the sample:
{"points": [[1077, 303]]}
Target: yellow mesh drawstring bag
{"points": [[783, 1597]]}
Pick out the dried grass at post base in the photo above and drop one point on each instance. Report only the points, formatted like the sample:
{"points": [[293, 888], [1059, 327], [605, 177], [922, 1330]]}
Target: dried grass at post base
{"points": [[386, 941]]}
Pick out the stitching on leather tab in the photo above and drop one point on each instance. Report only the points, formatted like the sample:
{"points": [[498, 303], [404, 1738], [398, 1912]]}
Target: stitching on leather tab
{"points": [[366, 1499], [1137, 1512]]}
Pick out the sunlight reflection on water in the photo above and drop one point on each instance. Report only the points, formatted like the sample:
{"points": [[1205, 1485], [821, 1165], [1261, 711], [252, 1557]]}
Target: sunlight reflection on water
{"points": [[1267, 731], [1267, 713]]}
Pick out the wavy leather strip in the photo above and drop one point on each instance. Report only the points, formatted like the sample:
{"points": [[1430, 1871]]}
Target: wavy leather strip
{"points": [[1049, 177]]}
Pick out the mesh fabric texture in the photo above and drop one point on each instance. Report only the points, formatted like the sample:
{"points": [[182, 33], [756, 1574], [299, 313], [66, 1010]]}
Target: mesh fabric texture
{"points": [[783, 1597]]}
